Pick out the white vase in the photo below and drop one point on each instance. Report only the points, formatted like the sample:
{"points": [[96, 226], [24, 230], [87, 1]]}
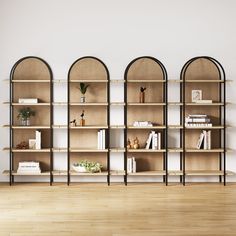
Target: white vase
{"points": [[25, 122], [82, 99]]}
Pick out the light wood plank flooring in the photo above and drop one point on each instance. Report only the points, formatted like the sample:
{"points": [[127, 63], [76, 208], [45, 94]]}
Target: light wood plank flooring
{"points": [[135, 210]]}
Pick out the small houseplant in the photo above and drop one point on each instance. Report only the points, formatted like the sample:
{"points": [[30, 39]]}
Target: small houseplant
{"points": [[142, 95], [24, 115], [87, 166], [82, 120], [83, 89]]}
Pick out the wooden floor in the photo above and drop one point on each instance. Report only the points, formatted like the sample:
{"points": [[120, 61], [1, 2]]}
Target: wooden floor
{"points": [[135, 210]]}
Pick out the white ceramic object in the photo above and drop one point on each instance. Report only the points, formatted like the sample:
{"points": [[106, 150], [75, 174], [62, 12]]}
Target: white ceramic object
{"points": [[80, 169]]}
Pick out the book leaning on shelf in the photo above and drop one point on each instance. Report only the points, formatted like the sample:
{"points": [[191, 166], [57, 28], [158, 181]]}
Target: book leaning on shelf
{"points": [[153, 141], [131, 165], [198, 120], [29, 167], [101, 139], [204, 141]]}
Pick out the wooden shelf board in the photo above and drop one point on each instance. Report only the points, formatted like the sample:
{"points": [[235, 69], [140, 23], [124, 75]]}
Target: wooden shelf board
{"points": [[147, 127], [59, 126], [117, 149], [206, 127], [206, 150], [204, 104], [148, 173], [60, 81], [28, 104], [117, 104], [103, 173], [27, 150], [146, 104], [59, 103], [117, 127], [87, 150], [27, 127], [89, 81], [88, 104], [146, 150], [59, 150], [31, 81], [7, 172], [146, 81], [90, 127], [207, 172], [175, 150], [59, 172], [175, 126], [117, 172], [117, 81], [204, 81], [175, 81], [175, 103]]}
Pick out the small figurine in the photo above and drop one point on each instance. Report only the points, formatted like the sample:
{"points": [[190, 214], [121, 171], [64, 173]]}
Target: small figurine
{"points": [[129, 144], [142, 95], [73, 123], [136, 143], [82, 120]]}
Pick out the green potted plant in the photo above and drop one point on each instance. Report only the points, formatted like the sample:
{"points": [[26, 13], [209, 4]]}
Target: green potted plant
{"points": [[24, 115], [142, 95], [83, 89], [87, 166]]}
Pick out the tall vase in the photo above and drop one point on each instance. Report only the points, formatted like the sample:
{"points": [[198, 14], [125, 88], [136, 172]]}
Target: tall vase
{"points": [[142, 97]]}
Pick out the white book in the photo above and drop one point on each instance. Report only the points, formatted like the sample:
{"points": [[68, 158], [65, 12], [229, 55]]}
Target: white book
{"points": [[133, 165], [197, 115], [28, 163], [129, 165], [148, 142], [200, 140], [28, 100], [205, 139], [209, 139], [103, 139], [159, 141], [98, 140], [38, 139], [154, 141]]}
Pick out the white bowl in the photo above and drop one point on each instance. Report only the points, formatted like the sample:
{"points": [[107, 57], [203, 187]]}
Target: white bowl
{"points": [[80, 169]]}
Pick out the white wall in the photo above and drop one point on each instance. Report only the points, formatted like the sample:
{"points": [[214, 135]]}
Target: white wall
{"points": [[173, 31]]}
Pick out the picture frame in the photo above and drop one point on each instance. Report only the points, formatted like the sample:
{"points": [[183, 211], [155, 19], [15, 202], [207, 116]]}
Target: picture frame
{"points": [[196, 95], [32, 143]]}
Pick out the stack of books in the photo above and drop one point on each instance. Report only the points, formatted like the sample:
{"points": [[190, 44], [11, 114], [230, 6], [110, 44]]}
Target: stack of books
{"points": [[204, 141], [28, 100], [131, 165], [153, 141], [198, 120], [142, 124], [29, 167], [101, 139]]}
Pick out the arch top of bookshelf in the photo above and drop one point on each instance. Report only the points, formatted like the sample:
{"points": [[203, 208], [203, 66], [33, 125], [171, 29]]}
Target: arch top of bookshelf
{"points": [[31, 69], [88, 69], [203, 69], [145, 69]]}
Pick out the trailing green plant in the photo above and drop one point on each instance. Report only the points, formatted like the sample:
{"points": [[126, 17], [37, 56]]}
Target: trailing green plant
{"points": [[90, 166], [25, 113], [83, 88], [142, 89]]}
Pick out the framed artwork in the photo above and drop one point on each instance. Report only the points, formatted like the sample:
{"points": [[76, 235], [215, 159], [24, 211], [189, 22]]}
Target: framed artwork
{"points": [[196, 95], [32, 143]]}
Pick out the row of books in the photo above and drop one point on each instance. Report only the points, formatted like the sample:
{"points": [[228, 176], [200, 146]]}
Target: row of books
{"points": [[153, 141], [198, 120], [142, 124], [101, 138], [28, 100], [204, 141], [131, 165], [29, 167]]}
